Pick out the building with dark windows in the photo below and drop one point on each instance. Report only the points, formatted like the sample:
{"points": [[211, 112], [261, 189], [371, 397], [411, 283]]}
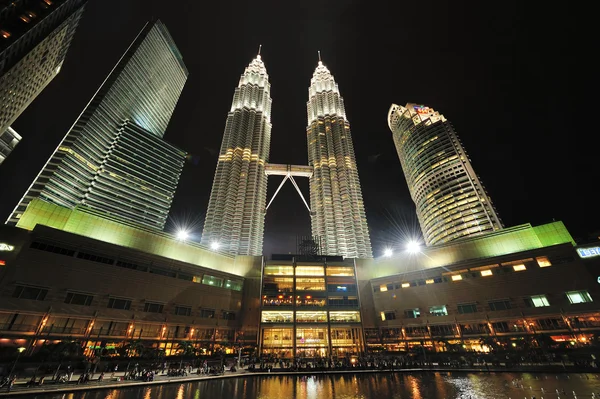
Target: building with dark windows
{"points": [[337, 209], [519, 285], [68, 274], [450, 199], [114, 160], [235, 218], [105, 285], [35, 36]]}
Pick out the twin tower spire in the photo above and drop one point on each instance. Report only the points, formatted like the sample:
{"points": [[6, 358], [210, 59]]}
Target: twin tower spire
{"points": [[235, 216]]}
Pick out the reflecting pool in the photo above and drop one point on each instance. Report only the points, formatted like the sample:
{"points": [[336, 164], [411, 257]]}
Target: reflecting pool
{"points": [[454, 385]]}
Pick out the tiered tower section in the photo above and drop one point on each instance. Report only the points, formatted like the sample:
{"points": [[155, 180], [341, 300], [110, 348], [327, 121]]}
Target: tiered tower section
{"points": [[450, 199], [338, 212], [235, 218]]}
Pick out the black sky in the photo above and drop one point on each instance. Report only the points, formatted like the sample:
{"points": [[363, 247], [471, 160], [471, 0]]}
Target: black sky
{"points": [[500, 72]]}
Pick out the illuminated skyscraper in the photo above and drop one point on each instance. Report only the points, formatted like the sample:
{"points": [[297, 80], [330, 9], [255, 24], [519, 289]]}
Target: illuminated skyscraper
{"points": [[451, 202], [114, 161], [338, 212], [34, 38], [235, 218]]}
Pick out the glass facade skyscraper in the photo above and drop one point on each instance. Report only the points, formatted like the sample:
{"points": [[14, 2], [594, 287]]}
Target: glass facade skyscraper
{"points": [[450, 199], [235, 218], [34, 39], [114, 160], [337, 208]]}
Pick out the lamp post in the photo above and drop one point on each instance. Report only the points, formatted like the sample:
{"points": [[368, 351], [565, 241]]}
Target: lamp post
{"points": [[20, 349]]}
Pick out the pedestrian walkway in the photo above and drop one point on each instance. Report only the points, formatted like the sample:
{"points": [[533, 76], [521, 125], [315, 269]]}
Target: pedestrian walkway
{"points": [[109, 380]]}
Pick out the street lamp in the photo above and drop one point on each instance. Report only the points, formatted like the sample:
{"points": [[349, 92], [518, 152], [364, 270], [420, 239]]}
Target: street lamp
{"points": [[20, 349], [215, 245], [388, 252]]}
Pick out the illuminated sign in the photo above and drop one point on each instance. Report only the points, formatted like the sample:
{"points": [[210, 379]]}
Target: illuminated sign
{"points": [[588, 252], [421, 109], [6, 247]]}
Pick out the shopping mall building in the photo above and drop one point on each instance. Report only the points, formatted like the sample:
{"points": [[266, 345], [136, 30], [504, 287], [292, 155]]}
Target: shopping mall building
{"points": [[72, 275]]}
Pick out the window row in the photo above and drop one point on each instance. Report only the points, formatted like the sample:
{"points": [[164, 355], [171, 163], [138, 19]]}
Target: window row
{"points": [[310, 317], [309, 300], [534, 301], [484, 271], [77, 298], [235, 285], [288, 270], [285, 285]]}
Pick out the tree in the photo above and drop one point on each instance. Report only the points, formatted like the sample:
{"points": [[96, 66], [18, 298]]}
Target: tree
{"points": [[134, 349], [490, 342], [186, 348]]}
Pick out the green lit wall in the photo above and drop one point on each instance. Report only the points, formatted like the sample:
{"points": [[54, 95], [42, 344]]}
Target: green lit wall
{"points": [[502, 242], [162, 244]]}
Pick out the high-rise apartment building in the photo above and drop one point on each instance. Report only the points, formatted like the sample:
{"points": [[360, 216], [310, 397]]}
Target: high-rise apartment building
{"points": [[450, 199], [113, 160], [337, 208], [235, 217], [34, 38]]}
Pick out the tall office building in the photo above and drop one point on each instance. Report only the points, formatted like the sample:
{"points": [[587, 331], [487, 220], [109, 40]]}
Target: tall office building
{"points": [[113, 161], [235, 218], [34, 38], [337, 209], [451, 202]]}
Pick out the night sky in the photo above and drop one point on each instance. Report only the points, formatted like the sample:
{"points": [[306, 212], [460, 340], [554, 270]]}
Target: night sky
{"points": [[500, 72]]}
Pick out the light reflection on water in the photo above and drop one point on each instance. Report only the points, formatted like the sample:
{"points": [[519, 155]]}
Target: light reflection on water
{"points": [[455, 385]]}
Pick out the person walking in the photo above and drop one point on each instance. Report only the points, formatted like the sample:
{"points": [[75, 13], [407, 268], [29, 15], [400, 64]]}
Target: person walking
{"points": [[11, 382], [114, 371]]}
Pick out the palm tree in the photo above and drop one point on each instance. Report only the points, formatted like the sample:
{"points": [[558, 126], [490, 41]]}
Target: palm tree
{"points": [[490, 342], [64, 350], [135, 348], [186, 348]]}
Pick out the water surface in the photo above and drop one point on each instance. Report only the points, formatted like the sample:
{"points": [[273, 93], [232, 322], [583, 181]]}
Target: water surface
{"points": [[455, 385]]}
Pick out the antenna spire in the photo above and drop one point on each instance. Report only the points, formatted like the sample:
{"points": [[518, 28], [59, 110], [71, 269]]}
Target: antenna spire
{"points": [[259, 47], [319, 52]]}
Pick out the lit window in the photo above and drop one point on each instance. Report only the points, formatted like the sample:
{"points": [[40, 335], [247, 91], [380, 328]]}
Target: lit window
{"points": [[537, 301], [438, 310], [405, 285], [519, 268], [543, 261], [389, 315], [456, 277], [579, 296], [430, 281], [412, 313], [383, 288], [486, 273]]}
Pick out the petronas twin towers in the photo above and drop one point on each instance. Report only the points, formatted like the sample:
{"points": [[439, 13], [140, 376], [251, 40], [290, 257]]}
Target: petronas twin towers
{"points": [[237, 206]]}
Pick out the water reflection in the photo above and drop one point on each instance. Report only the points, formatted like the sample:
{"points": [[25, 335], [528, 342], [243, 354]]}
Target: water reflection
{"points": [[363, 386]]}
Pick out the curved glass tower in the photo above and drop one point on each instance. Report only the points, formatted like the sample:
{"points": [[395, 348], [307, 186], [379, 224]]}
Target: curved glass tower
{"points": [[113, 160], [450, 199], [235, 218], [338, 212]]}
